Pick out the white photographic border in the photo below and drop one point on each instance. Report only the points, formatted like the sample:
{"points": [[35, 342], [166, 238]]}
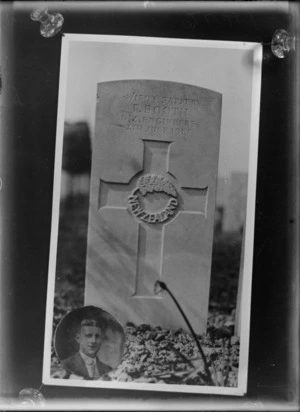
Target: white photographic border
{"points": [[245, 295]]}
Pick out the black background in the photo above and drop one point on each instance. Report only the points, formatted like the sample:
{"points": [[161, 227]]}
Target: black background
{"points": [[30, 92]]}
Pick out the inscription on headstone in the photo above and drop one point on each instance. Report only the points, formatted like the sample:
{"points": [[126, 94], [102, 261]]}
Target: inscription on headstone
{"points": [[152, 200]]}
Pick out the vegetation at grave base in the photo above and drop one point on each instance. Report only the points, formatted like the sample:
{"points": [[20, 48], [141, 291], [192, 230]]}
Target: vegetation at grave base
{"points": [[154, 354], [159, 355]]}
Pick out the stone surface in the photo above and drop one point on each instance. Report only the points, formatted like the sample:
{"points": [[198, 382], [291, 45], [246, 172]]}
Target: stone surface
{"points": [[235, 208], [152, 200]]}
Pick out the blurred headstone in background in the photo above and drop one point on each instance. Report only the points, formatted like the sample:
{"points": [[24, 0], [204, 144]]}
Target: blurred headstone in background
{"points": [[227, 266], [231, 203], [76, 159], [235, 208], [221, 201]]}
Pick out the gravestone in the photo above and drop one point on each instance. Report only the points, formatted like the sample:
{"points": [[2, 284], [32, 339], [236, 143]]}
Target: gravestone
{"points": [[152, 201], [235, 212]]}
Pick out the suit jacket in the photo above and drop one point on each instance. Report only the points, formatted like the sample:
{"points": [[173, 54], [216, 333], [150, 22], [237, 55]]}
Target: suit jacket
{"points": [[76, 365]]}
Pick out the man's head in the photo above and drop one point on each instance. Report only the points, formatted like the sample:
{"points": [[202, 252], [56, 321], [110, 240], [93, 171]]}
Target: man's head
{"points": [[89, 337]]}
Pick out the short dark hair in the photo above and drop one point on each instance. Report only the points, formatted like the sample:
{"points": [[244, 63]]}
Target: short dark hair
{"points": [[92, 322]]}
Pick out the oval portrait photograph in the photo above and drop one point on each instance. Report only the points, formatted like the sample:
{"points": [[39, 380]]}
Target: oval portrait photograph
{"points": [[89, 343]]}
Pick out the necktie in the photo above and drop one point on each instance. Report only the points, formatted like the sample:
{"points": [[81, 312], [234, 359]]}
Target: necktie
{"points": [[93, 369], [91, 364]]}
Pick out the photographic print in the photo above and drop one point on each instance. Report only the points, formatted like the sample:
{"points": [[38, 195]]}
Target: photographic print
{"points": [[153, 214], [89, 343]]}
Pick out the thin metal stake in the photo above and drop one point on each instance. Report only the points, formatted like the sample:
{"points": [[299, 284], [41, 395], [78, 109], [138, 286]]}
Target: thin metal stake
{"points": [[165, 287]]}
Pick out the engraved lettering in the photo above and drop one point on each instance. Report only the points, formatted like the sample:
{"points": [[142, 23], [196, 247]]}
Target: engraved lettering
{"points": [[152, 218], [159, 115], [145, 217]]}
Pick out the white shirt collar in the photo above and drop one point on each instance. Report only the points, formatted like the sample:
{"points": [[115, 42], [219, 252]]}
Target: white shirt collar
{"points": [[87, 359]]}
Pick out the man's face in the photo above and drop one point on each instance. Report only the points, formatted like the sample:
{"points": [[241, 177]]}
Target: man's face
{"points": [[89, 339]]}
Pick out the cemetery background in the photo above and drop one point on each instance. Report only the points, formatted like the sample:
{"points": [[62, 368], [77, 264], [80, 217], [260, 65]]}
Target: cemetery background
{"points": [[153, 354]]}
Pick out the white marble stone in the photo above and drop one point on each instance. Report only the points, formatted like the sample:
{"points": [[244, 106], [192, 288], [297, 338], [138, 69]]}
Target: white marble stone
{"points": [[152, 200]]}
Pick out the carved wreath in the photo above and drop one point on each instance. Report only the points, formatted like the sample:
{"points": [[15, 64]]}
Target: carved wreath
{"points": [[150, 183], [154, 183]]}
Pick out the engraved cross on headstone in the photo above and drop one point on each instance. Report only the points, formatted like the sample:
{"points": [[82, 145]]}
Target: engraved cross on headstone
{"points": [[151, 235], [152, 200]]}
